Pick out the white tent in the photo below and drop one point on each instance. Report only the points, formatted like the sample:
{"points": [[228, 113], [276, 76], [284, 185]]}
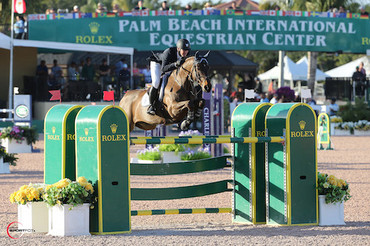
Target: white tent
{"points": [[320, 75], [4, 42], [291, 72], [348, 69]]}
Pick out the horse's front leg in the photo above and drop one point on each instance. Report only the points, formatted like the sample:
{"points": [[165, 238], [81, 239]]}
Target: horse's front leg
{"points": [[178, 112]]}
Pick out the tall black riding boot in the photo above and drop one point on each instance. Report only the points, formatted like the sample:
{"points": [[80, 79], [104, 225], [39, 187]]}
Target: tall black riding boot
{"points": [[153, 96]]}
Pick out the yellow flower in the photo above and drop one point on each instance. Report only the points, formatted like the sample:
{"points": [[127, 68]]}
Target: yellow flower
{"points": [[62, 183], [48, 187], [23, 187], [11, 198], [89, 187], [82, 181]]}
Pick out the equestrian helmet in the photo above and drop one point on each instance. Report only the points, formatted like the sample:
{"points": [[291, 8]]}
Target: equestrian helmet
{"points": [[183, 44]]}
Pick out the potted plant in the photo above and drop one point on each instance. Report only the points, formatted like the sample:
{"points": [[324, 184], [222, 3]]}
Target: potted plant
{"points": [[171, 152], [6, 159], [149, 155], [333, 193], [32, 212], [18, 139], [69, 204], [195, 155]]}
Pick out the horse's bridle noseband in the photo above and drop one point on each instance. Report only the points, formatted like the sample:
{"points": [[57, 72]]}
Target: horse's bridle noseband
{"points": [[197, 76]]}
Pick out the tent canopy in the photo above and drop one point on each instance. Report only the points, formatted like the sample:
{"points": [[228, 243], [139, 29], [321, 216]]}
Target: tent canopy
{"points": [[347, 70], [5, 44], [320, 75], [292, 72]]}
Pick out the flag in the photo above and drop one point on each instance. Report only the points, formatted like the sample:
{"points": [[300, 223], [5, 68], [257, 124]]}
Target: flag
{"points": [[111, 14], [145, 13], [364, 17], [239, 12], [171, 12], [108, 96], [19, 6], [356, 16], [55, 95]]}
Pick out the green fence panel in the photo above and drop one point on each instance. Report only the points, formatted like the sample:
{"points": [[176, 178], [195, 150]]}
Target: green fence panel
{"points": [[59, 137], [102, 142]]}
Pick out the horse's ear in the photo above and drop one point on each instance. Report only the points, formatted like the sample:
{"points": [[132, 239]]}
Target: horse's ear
{"points": [[206, 55], [196, 55]]}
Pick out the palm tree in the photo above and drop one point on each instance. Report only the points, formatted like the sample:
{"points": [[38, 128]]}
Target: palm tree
{"points": [[321, 6]]}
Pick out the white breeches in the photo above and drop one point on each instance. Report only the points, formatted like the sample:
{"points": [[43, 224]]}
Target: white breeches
{"points": [[155, 71]]}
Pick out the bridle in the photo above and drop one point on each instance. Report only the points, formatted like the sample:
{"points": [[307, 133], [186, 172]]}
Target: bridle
{"points": [[194, 81]]}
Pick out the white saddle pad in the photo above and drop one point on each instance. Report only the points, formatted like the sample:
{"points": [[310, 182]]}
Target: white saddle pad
{"points": [[145, 100]]}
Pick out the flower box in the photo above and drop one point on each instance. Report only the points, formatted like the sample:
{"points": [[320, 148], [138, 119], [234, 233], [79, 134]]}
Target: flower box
{"points": [[33, 216], [66, 220], [4, 167], [361, 133], [149, 162], [340, 132], [12, 146], [330, 214], [171, 156]]}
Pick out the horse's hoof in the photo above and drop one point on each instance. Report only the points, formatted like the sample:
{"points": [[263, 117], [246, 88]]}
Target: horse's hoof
{"points": [[185, 125]]}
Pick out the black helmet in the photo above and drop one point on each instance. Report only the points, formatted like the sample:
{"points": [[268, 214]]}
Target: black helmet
{"points": [[183, 44]]}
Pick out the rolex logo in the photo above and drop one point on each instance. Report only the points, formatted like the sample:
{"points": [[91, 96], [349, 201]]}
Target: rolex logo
{"points": [[86, 131], [94, 27], [302, 124], [113, 128], [53, 129]]}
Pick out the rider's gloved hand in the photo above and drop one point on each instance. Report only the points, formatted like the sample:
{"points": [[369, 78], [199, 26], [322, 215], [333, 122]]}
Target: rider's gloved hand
{"points": [[180, 62]]}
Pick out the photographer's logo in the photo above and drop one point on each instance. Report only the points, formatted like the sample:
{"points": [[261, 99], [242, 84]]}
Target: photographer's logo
{"points": [[14, 232]]}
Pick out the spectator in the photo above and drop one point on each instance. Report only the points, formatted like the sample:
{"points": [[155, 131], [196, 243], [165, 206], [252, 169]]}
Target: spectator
{"points": [[208, 6], [363, 11], [275, 99], [104, 72], [116, 8], [124, 78], [362, 69], [25, 33], [101, 8], [164, 6], [76, 9], [41, 81], [233, 6], [79, 67], [139, 6], [258, 87], [188, 7], [56, 80], [358, 80], [19, 27], [73, 85], [88, 73], [341, 9], [119, 67], [277, 8], [146, 73], [333, 107], [263, 97], [50, 11]]}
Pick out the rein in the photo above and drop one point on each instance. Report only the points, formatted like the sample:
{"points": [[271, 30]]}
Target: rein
{"points": [[190, 77]]}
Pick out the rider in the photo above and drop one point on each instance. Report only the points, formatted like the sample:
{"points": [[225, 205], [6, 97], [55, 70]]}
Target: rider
{"points": [[171, 59]]}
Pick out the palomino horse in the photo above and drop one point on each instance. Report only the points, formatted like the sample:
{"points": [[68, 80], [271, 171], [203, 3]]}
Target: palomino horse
{"points": [[180, 97]]}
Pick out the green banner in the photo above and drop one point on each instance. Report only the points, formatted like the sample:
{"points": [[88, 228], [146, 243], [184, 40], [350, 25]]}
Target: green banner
{"points": [[214, 32]]}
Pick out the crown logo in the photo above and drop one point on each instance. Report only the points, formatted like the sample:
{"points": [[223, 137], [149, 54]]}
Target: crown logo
{"points": [[94, 27], [53, 129], [113, 128], [86, 131], [302, 124]]}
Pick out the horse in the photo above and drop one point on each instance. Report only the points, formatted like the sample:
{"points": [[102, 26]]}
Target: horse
{"points": [[180, 98]]}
